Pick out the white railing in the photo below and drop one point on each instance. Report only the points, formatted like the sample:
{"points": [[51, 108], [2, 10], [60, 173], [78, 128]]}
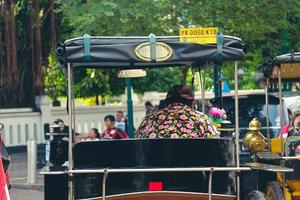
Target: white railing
{"points": [[20, 125], [93, 117]]}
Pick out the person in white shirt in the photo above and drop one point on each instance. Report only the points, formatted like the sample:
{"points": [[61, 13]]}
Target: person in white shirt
{"points": [[93, 135], [120, 121]]}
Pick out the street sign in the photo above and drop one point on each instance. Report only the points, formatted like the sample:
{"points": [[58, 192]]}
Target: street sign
{"points": [[199, 35]]}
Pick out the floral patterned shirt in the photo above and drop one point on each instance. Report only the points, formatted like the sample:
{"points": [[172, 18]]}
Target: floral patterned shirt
{"points": [[177, 121]]}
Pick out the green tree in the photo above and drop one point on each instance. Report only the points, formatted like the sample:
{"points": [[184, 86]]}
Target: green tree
{"points": [[92, 84], [54, 79]]}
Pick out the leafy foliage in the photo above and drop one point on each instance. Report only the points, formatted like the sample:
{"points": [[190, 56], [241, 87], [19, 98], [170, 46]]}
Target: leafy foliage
{"points": [[54, 79], [266, 25], [263, 24], [94, 82]]}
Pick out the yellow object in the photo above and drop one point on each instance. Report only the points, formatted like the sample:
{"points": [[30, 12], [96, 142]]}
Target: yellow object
{"points": [[294, 184], [199, 35], [276, 145], [288, 195], [296, 194], [254, 141], [254, 125]]}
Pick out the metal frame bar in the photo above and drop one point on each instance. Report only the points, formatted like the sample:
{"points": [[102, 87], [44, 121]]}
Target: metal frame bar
{"points": [[281, 125], [202, 90], [155, 170], [70, 119], [237, 131], [267, 113], [210, 185], [147, 37], [105, 174]]}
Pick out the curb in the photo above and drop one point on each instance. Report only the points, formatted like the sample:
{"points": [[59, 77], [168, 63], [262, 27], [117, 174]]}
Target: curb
{"points": [[27, 186]]}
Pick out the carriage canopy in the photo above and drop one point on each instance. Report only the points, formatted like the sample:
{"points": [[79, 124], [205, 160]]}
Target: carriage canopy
{"points": [[145, 52]]}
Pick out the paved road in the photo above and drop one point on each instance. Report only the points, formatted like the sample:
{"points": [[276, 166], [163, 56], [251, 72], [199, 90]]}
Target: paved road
{"points": [[19, 194], [18, 171]]}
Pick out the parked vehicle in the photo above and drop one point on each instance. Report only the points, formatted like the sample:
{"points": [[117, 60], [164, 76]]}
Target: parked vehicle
{"points": [[6, 161], [277, 159]]}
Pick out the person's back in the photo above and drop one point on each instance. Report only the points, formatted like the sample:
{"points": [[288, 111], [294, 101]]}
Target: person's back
{"points": [[178, 119]]}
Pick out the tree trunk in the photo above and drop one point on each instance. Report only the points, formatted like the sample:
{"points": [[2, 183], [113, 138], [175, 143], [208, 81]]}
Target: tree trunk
{"points": [[7, 39], [36, 47], [14, 68], [97, 100], [52, 24], [11, 69]]}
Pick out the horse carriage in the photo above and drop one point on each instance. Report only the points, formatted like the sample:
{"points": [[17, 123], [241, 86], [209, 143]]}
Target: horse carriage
{"points": [[162, 169]]}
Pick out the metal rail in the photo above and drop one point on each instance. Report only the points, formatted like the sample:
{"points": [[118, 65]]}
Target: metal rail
{"points": [[155, 170], [105, 173], [290, 158], [237, 130], [160, 192], [147, 37]]}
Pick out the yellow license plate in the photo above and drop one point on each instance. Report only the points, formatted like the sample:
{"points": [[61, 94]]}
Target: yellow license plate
{"points": [[199, 35]]}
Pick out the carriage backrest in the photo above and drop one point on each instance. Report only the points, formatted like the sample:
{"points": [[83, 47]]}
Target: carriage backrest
{"points": [[134, 153]]}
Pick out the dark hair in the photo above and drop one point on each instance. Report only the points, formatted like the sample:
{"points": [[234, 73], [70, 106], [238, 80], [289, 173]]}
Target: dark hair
{"points": [[59, 120], [180, 94], [162, 104], [109, 117], [148, 103], [97, 132], [121, 112]]}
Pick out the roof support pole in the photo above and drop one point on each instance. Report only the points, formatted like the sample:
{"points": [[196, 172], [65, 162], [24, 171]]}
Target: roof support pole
{"points": [[70, 120], [281, 126], [219, 55], [267, 112], [237, 127], [216, 81], [202, 90], [129, 109]]}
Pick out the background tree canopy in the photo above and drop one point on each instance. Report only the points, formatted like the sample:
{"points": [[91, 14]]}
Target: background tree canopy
{"points": [[25, 25]]}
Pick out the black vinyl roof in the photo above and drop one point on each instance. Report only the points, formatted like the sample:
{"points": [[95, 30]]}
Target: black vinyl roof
{"points": [[288, 58], [119, 52]]}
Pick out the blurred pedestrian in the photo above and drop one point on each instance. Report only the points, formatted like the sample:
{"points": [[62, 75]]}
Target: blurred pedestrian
{"points": [[93, 135], [112, 132], [120, 122]]}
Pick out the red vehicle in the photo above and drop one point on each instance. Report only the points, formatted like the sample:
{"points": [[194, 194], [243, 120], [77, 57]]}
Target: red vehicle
{"points": [[5, 157]]}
